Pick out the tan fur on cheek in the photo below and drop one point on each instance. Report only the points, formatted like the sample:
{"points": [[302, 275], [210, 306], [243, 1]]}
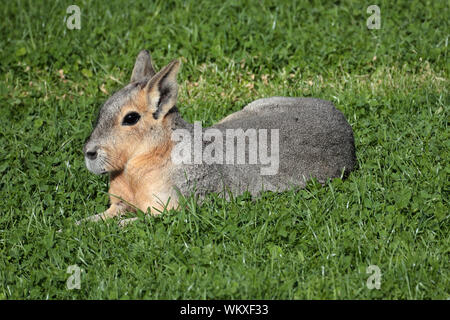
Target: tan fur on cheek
{"points": [[153, 160], [117, 155]]}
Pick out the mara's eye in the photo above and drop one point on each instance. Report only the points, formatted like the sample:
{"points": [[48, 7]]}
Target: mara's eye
{"points": [[131, 119]]}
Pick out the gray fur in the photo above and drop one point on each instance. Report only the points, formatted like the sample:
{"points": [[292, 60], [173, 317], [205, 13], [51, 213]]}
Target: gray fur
{"points": [[315, 140]]}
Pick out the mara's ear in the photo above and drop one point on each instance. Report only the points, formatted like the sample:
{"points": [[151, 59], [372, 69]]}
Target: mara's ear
{"points": [[142, 67], [162, 90]]}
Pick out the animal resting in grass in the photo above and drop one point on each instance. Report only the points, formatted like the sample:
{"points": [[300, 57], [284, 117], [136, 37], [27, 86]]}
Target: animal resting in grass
{"points": [[133, 141]]}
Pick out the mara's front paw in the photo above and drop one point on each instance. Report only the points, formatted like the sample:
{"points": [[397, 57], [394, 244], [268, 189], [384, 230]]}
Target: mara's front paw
{"points": [[124, 222], [94, 218]]}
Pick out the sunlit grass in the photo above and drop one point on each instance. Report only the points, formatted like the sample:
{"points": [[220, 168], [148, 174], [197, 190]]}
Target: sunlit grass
{"points": [[391, 84]]}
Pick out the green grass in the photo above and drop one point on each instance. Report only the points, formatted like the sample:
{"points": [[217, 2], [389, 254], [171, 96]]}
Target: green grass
{"points": [[393, 212]]}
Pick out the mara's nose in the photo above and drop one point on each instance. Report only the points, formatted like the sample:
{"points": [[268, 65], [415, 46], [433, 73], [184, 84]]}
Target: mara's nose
{"points": [[91, 154]]}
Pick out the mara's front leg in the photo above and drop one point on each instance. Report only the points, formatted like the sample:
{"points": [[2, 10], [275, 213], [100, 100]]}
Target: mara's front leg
{"points": [[115, 210], [120, 195], [157, 199], [155, 204]]}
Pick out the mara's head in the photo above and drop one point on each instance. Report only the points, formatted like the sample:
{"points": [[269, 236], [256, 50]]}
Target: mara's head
{"points": [[132, 120]]}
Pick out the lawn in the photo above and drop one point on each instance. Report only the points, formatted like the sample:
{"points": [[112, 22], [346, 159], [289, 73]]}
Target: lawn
{"points": [[392, 212]]}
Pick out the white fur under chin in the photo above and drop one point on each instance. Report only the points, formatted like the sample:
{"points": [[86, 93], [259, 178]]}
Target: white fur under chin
{"points": [[94, 166]]}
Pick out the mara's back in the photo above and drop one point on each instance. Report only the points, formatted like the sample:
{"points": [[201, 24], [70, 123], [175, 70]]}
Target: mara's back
{"points": [[314, 141]]}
